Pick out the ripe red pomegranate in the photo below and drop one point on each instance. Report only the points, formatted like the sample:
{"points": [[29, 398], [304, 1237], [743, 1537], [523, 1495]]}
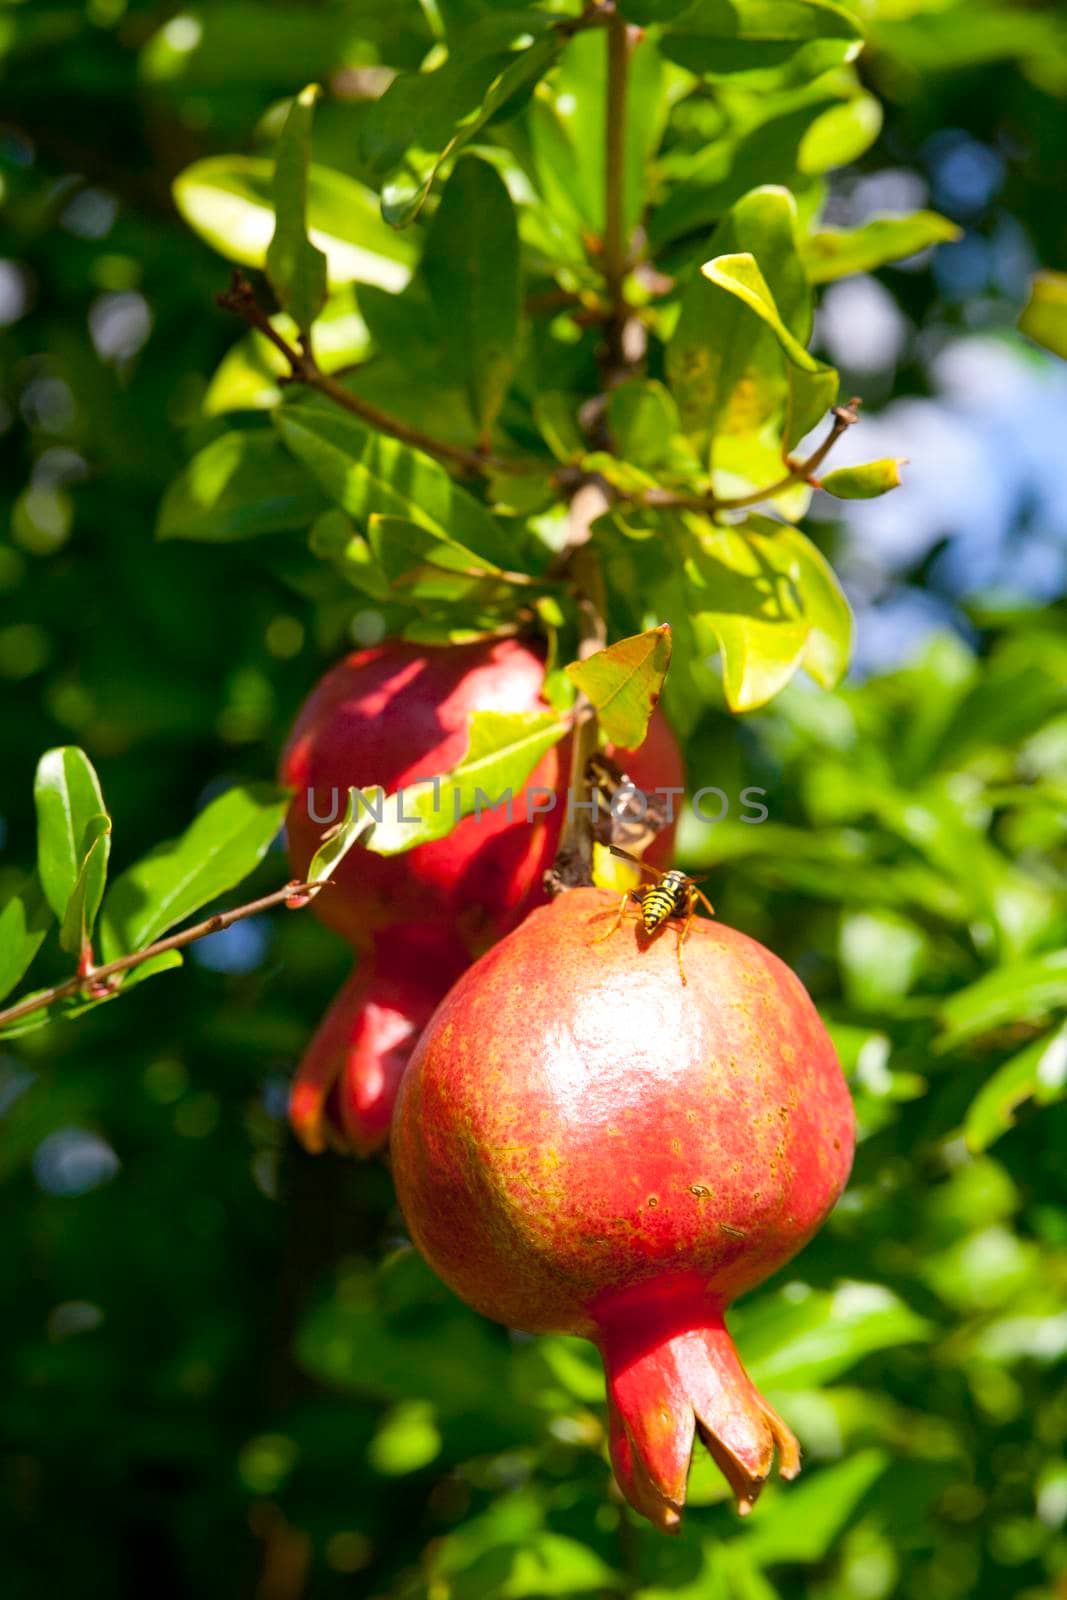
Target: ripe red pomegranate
{"points": [[400, 712], [582, 1145], [344, 1089]]}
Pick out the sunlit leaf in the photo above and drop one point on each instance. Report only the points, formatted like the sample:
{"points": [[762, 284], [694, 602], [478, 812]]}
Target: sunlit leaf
{"points": [[808, 1521], [66, 792], [864, 482], [79, 919], [768, 599], [240, 486], [367, 473], [722, 37], [505, 747], [1038, 1072], [1025, 991], [831, 253], [228, 200], [24, 921], [220, 848], [840, 135], [740, 275], [425, 117], [797, 1340], [624, 683], [1044, 316], [339, 840], [643, 418]]}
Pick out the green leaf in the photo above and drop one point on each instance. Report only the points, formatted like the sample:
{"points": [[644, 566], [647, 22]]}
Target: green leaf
{"points": [[765, 595], [1044, 316], [24, 921], [810, 397], [831, 253], [505, 747], [1038, 1072], [84, 903], [403, 548], [246, 378], [368, 473], [727, 36], [808, 1521], [643, 419], [1024, 991], [726, 368], [228, 201], [805, 1341], [425, 117], [624, 683], [295, 267], [240, 486], [864, 482], [645, 11], [471, 268], [218, 849], [338, 840], [840, 135], [881, 955], [740, 275], [556, 416], [67, 795]]}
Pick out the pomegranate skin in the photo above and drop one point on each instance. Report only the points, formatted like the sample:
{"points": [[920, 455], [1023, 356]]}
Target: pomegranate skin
{"points": [[400, 712], [345, 1087], [583, 1145]]}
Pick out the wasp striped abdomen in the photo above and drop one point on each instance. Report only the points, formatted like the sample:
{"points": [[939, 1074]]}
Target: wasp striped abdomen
{"points": [[663, 900]]}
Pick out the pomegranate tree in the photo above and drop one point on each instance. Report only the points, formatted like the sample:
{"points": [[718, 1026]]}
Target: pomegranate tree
{"points": [[583, 1145]]}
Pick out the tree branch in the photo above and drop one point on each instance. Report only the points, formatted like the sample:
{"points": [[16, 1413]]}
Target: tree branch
{"points": [[799, 472], [295, 895], [240, 298]]}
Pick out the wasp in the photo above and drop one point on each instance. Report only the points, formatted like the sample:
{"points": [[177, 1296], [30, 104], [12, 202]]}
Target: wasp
{"points": [[673, 894]]}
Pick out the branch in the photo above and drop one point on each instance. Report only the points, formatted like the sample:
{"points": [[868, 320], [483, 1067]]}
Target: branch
{"points": [[799, 472], [295, 895], [240, 298]]}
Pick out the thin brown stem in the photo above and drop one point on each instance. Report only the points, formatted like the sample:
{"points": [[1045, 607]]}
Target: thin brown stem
{"points": [[240, 298], [295, 894], [799, 472]]}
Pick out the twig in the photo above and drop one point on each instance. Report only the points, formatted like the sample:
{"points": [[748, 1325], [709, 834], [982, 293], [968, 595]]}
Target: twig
{"points": [[295, 894], [240, 298], [799, 472]]}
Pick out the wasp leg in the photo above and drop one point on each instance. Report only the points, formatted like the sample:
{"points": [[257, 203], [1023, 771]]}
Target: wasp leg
{"points": [[617, 924], [690, 914]]}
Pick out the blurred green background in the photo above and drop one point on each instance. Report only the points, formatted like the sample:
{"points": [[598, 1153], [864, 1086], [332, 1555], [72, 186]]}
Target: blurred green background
{"points": [[224, 1372]]}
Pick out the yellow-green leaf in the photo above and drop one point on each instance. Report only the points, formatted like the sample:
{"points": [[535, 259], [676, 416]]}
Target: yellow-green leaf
{"points": [[505, 747], [864, 482], [1044, 316], [740, 275], [831, 253], [624, 683]]}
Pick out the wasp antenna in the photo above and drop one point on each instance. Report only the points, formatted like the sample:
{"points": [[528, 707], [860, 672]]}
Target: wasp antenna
{"points": [[635, 861]]}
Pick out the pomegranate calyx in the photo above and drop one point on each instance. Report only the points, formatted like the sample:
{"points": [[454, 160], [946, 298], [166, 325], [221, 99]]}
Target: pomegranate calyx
{"points": [[672, 1376]]}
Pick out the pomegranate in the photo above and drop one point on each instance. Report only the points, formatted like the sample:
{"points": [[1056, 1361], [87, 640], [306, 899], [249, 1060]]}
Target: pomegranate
{"points": [[400, 712], [583, 1145], [345, 1086]]}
